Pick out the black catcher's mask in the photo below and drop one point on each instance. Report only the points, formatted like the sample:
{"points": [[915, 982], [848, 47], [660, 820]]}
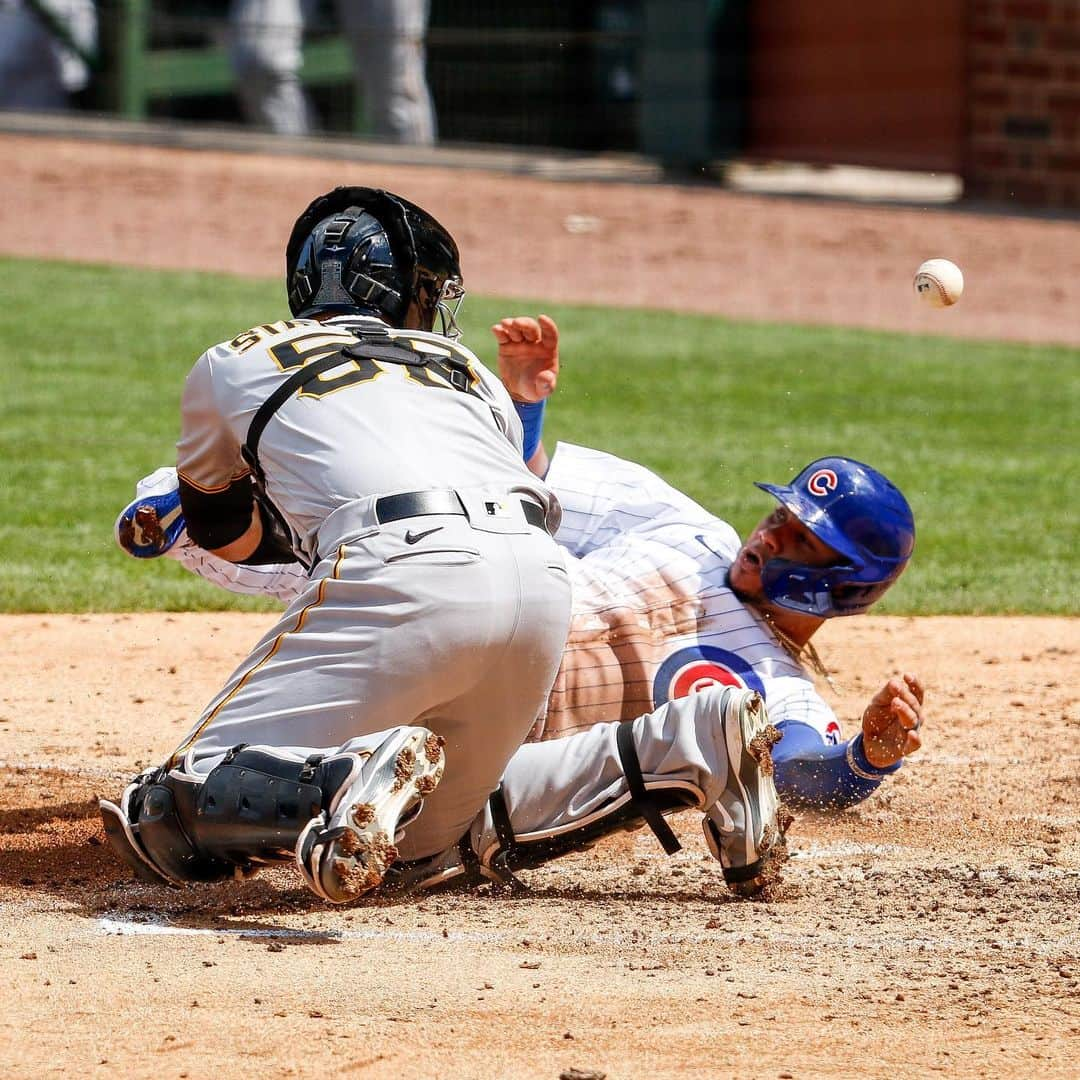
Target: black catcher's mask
{"points": [[365, 251]]}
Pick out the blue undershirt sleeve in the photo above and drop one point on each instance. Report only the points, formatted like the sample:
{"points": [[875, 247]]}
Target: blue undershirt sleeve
{"points": [[812, 774], [531, 414]]}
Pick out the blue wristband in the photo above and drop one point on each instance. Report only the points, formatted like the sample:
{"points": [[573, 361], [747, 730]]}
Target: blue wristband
{"points": [[531, 414]]}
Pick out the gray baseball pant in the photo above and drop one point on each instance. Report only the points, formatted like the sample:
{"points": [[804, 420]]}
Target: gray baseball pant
{"points": [[461, 631]]}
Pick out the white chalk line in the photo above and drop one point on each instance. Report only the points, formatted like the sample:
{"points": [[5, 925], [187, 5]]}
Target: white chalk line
{"points": [[932, 758], [1068, 943], [126, 928], [89, 771]]}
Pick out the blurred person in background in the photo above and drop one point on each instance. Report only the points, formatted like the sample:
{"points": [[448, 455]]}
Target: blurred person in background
{"points": [[46, 48], [389, 58]]}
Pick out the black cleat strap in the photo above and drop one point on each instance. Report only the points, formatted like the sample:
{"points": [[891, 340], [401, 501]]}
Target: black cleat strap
{"points": [[504, 830], [643, 802]]}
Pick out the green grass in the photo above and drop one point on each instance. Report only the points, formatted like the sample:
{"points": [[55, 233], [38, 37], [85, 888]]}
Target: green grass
{"points": [[981, 436]]}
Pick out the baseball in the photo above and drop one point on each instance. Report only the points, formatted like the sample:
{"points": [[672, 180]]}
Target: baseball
{"points": [[939, 283]]}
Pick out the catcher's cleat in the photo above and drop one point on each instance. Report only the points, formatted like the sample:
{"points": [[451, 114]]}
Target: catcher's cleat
{"points": [[745, 827], [346, 850], [153, 521]]}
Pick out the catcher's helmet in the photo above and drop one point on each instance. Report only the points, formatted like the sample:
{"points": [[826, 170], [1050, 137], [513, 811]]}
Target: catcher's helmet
{"points": [[858, 513], [362, 250]]}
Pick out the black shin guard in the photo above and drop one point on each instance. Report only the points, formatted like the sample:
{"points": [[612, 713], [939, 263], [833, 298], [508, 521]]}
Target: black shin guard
{"points": [[249, 809], [253, 806]]}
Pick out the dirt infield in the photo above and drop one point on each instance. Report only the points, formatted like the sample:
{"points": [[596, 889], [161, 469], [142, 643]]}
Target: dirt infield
{"points": [[932, 930]]}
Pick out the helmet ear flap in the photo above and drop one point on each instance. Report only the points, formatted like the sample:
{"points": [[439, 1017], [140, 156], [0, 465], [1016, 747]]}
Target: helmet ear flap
{"points": [[374, 281], [797, 587], [303, 282], [825, 591]]}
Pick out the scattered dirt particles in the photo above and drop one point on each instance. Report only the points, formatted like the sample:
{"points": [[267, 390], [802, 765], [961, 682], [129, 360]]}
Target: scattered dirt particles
{"points": [[946, 903]]}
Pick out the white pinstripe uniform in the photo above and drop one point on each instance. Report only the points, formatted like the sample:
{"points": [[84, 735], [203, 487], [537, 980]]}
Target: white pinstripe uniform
{"points": [[655, 634], [458, 627], [653, 617]]}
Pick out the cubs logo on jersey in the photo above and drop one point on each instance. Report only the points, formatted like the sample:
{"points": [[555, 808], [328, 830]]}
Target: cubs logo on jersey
{"points": [[696, 667]]}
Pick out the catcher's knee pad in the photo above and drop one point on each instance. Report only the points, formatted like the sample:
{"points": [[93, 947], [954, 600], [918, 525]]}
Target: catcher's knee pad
{"points": [[249, 809]]}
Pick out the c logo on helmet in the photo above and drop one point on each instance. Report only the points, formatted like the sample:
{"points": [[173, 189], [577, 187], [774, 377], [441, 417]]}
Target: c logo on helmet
{"points": [[700, 666], [822, 482]]}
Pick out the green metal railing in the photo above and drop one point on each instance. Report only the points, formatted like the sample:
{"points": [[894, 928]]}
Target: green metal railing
{"points": [[138, 74]]}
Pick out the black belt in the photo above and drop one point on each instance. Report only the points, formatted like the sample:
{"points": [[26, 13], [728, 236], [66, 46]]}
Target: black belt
{"points": [[422, 503]]}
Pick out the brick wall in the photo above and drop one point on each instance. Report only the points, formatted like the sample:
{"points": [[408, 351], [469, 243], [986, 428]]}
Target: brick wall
{"points": [[1023, 142]]}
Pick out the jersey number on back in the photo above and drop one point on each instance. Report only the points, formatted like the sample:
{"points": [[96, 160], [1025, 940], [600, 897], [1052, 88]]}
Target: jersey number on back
{"points": [[429, 370]]}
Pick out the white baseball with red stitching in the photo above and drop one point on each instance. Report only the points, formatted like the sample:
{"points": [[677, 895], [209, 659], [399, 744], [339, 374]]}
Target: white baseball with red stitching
{"points": [[939, 283]]}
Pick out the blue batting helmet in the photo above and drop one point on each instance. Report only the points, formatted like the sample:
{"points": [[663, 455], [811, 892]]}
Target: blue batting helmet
{"points": [[858, 513]]}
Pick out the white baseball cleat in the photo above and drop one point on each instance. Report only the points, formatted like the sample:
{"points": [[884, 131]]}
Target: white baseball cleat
{"points": [[344, 852], [153, 521], [745, 827]]}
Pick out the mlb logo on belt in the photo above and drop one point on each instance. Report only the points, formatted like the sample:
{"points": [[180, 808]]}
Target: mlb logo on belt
{"points": [[699, 666]]}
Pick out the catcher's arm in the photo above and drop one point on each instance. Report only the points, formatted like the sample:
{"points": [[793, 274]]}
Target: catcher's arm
{"points": [[235, 524], [528, 362]]}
